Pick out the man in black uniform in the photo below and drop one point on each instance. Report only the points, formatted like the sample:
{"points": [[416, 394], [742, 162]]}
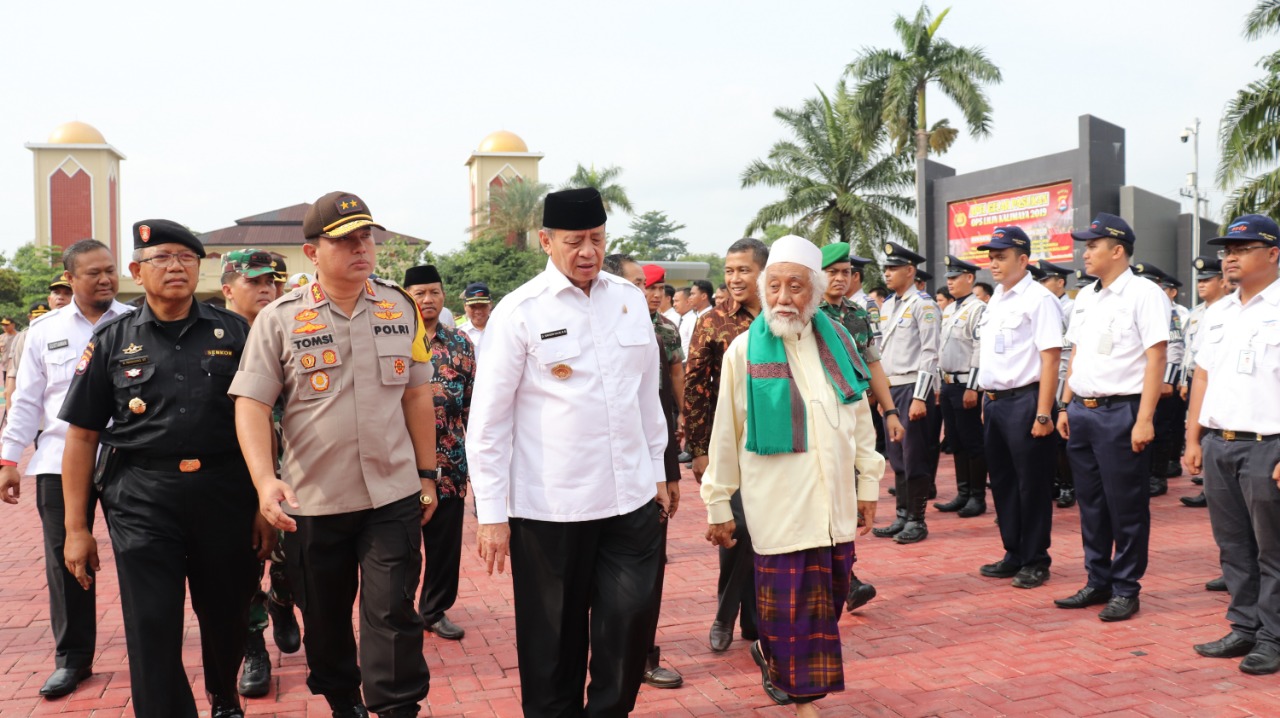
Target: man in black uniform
{"points": [[175, 491]]}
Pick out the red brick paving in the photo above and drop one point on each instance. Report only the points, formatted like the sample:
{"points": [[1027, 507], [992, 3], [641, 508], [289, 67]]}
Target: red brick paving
{"points": [[939, 640]]}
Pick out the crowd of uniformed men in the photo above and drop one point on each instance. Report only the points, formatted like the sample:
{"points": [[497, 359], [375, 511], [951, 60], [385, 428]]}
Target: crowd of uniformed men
{"points": [[331, 425]]}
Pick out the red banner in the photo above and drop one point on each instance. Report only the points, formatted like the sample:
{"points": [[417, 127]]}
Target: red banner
{"points": [[1044, 213]]}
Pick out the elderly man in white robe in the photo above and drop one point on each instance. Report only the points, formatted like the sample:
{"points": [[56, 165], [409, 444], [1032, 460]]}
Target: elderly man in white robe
{"points": [[793, 433]]}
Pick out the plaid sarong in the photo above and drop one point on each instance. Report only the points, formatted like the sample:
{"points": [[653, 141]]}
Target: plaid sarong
{"points": [[799, 597]]}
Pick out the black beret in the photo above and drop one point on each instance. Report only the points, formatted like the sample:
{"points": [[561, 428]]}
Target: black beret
{"points": [[573, 209], [422, 274], [151, 232]]}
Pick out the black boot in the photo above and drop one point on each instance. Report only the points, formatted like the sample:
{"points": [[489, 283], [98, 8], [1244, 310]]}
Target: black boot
{"points": [[859, 593], [893, 528], [225, 707], [1066, 497], [255, 679], [1158, 486], [347, 706], [284, 624], [977, 504], [915, 529], [962, 485]]}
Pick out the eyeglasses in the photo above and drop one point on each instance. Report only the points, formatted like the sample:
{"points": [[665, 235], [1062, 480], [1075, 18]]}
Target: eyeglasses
{"points": [[186, 259], [1239, 251]]}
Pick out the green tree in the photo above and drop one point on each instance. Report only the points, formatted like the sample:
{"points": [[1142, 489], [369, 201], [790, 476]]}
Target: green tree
{"points": [[716, 261], [892, 86], [489, 260], [396, 255], [613, 194], [838, 186], [652, 237], [774, 232], [1250, 131], [27, 279], [514, 212]]}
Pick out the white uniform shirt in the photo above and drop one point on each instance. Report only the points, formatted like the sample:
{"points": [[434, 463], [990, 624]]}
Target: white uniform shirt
{"points": [[565, 423], [861, 299], [1110, 331], [958, 353], [1240, 350], [687, 324], [475, 334], [1068, 305], [1018, 325], [1191, 335], [672, 316], [55, 342], [446, 318]]}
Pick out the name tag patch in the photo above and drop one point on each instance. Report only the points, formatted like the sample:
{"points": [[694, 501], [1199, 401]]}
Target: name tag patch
{"points": [[219, 352], [554, 334], [58, 344]]}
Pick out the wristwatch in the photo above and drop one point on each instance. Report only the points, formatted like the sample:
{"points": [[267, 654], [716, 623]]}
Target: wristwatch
{"points": [[432, 474], [1042, 418], [890, 412]]}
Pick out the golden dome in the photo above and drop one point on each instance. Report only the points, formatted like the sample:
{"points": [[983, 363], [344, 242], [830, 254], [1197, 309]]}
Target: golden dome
{"points": [[76, 133], [502, 141]]}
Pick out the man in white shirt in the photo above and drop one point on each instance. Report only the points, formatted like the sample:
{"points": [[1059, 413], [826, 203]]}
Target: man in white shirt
{"points": [[815, 428], [53, 345], [1054, 278], [668, 308], [1020, 342], [699, 304], [1119, 332], [1233, 398], [565, 445], [1210, 287], [477, 304], [1171, 410]]}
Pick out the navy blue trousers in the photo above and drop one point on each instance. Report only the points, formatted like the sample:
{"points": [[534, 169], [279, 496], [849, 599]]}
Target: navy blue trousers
{"points": [[1021, 470]]}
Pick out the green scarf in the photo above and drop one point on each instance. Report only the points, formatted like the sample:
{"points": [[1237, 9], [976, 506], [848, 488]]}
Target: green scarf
{"points": [[776, 413]]}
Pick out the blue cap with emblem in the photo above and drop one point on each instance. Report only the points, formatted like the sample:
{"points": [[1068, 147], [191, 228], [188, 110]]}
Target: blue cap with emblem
{"points": [[923, 276], [957, 266], [1106, 226], [1251, 228], [1083, 280], [1156, 274], [1056, 270], [1036, 272], [1208, 267], [1008, 238], [896, 255]]}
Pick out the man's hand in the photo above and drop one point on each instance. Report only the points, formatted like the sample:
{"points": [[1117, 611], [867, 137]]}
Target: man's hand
{"points": [[10, 484], [80, 553], [970, 399], [429, 510], [1166, 391], [1039, 430], [1193, 457], [663, 498], [893, 427], [1144, 432], [917, 411], [265, 536], [270, 494], [1182, 391], [1063, 428], [866, 516], [700, 467], [673, 493], [1275, 475], [722, 534], [494, 543]]}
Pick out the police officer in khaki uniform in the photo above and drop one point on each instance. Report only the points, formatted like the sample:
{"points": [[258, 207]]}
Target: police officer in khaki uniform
{"points": [[349, 356]]}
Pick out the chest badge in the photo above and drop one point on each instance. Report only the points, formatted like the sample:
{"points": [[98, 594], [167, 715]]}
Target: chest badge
{"points": [[310, 328], [320, 381], [218, 333], [399, 366], [133, 373], [308, 361], [329, 356], [385, 305], [306, 315], [562, 371], [132, 348], [137, 405], [388, 315]]}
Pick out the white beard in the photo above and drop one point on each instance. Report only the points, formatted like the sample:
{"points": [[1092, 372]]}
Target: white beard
{"points": [[786, 325]]}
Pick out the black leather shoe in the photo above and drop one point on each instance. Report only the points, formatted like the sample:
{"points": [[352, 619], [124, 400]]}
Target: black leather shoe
{"points": [[892, 529], [860, 594], [684, 458], [663, 678], [255, 679], [1119, 608], [447, 629], [1000, 569], [1262, 661], [721, 636], [1217, 584], [974, 507], [225, 707], [1085, 597], [63, 681], [284, 627], [1196, 502], [1157, 486], [347, 706], [1232, 645], [913, 532], [1197, 480], [953, 505], [893, 491], [401, 712], [1066, 498], [774, 693], [1031, 577]]}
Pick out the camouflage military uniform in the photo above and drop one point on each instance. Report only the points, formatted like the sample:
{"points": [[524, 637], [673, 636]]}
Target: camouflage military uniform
{"points": [[860, 324]]}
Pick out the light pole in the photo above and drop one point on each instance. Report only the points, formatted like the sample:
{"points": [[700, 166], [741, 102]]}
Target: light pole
{"points": [[1193, 191]]}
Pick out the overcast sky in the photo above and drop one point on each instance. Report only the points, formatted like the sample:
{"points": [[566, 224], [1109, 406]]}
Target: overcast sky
{"points": [[229, 109]]}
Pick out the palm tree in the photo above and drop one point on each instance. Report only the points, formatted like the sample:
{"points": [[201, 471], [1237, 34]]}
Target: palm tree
{"points": [[893, 83], [614, 195], [514, 211], [1250, 132], [840, 184]]}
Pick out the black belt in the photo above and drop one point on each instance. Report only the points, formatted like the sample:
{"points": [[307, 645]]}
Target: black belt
{"points": [[1228, 435], [1010, 393], [1101, 401], [184, 464], [955, 377]]}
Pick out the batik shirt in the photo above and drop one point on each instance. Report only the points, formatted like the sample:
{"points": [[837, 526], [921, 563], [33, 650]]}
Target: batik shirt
{"points": [[711, 338], [454, 360]]}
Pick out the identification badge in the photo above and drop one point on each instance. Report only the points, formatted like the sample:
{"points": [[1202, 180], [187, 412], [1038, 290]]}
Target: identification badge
{"points": [[1244, 365], [1105, 345], [999, 342]]}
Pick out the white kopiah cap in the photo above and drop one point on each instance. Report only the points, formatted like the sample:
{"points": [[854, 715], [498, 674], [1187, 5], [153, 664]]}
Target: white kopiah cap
{"points": [[797, 250]]}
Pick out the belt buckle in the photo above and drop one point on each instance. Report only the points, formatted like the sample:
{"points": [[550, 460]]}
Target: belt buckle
{"points": [[946, 378], [1228, 435], [189, 466], [991, 396], [1090, 403]]}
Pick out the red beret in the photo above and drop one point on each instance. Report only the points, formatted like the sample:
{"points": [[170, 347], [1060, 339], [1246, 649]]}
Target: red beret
{"points": [[653, 274]]}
